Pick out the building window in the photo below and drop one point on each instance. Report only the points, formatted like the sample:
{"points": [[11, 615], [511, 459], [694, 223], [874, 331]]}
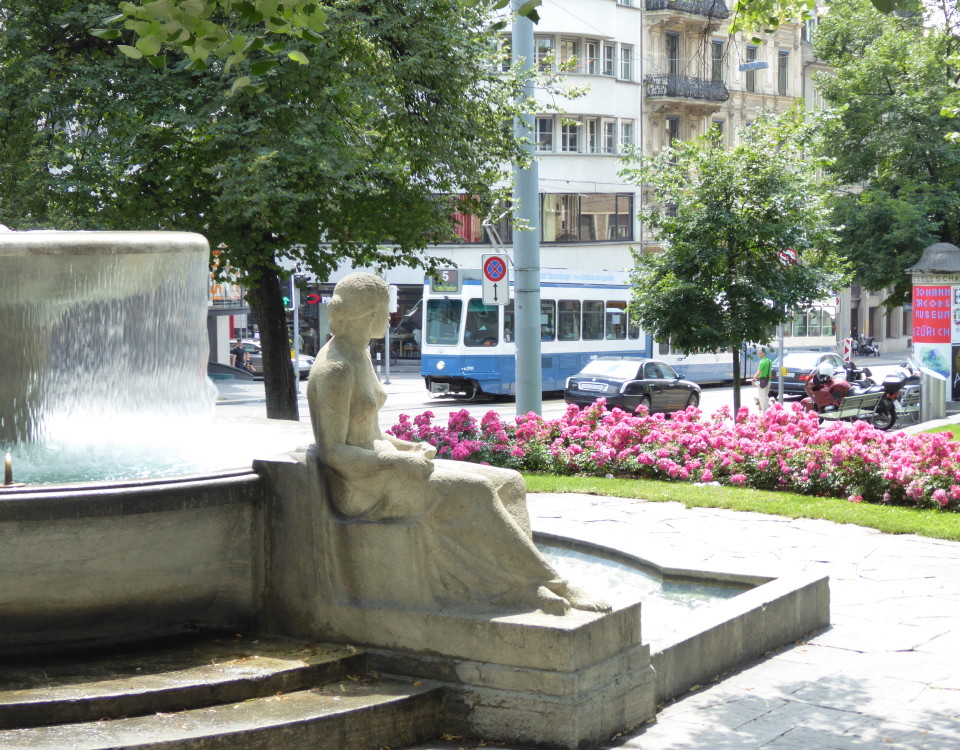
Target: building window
{"points": [[626, 132], [506, 48], [470, 228], [570, 136], [719, 126], [544, 134], [544, 52], [782, 60], [593, 136], [673, 54], [560, 217], [716, 61], [609, 58], [626, 63], [586, 217], [673, 130], [591, 64], [570, 54], [751, 79], [609, 137]]}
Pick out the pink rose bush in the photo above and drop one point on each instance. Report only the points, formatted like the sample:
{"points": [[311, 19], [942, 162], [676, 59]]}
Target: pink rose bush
{"points": [[783, 449]]}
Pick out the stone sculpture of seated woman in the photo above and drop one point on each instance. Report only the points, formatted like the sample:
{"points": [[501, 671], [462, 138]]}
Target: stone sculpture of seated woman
{"points": [[472, 520]]}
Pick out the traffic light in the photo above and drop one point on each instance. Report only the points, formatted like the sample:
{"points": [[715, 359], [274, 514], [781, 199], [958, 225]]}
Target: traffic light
{"points": [[288, 288]]}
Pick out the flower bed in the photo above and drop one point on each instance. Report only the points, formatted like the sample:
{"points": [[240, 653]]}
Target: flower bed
{"points": [[782, 449]]}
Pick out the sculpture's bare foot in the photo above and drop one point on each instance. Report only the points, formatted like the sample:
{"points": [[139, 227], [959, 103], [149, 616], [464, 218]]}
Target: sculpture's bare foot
{"points": [[537, 597], [550, 603], [578, 598]]}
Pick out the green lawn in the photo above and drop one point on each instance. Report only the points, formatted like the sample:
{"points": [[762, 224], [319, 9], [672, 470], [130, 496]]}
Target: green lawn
{"points": [[890, 519], [953, 429]]}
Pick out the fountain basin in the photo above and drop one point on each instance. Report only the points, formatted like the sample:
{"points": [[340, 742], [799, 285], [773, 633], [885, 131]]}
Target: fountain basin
{"points": [[702, 637], [95, 562]]}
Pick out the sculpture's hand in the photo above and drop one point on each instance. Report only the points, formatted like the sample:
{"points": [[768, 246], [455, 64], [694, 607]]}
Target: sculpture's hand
{"points": [[426, 449]]}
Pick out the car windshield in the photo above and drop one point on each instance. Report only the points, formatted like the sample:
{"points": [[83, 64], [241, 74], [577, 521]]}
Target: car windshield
{"points": [[801, 360], [624, 369]]}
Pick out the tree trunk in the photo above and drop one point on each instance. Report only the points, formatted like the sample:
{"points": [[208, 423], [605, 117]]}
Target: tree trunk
{"points": [[736, 381], [280, 379]]}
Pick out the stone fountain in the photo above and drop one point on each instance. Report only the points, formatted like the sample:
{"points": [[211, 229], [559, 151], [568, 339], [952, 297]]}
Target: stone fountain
{"points": [[104, 563]]}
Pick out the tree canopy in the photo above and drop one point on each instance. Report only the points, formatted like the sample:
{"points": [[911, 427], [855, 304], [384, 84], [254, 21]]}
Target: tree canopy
{"points": [[227, 33], [886, 143], [722, 216], [352, 158]]}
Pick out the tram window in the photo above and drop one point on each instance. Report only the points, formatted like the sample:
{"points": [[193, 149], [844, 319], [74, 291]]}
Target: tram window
{"points": [[443, 321], [508, 322], [568, 319], [663, 348], [633, 327], [548, 320], [592, 320], [483, 322], [616, 320]]}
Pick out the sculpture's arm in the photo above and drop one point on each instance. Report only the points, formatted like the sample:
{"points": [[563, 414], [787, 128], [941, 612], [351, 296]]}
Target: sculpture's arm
{"points": [[405, 445]]}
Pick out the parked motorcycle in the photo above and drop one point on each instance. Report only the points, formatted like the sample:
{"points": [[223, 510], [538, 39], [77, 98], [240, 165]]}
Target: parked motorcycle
{"points": [[903, 389], [826, 393]]}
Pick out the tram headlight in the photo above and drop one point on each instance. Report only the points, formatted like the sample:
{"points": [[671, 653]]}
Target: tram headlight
{"points": [[441, 365]]}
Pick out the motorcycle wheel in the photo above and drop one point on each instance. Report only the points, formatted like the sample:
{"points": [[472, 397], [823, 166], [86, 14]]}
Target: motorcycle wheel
{"points": [[885, 417]]}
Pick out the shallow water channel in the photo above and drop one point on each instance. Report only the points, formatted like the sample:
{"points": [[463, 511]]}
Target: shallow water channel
{"points": [[665, 603]]}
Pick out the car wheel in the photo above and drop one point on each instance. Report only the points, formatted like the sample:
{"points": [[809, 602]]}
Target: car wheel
{"points": [[694, 400], [645, 401]]}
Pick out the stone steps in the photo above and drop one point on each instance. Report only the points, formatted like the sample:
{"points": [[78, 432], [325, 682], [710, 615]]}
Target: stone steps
{"points": [[214, 693]]}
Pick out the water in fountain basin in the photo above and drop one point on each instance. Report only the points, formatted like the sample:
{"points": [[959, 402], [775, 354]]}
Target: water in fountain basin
{"points": [[664, 603]]}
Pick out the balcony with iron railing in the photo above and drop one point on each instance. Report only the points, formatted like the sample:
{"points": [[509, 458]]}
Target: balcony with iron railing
{"points": [[706, 8], [666, 85]]}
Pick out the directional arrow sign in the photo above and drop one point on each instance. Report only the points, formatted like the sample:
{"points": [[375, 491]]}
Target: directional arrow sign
{"points": [[496, 287]]}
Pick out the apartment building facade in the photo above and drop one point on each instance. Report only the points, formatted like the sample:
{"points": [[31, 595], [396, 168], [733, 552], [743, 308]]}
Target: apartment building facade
{"points": [[652, 72]]}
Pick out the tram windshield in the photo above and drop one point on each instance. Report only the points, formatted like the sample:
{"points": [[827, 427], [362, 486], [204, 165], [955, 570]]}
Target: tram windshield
{"points": [[482, 324], [443, 321]]}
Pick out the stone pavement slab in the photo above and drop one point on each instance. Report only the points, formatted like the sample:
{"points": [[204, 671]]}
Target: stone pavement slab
{"points": [[886, 674]]}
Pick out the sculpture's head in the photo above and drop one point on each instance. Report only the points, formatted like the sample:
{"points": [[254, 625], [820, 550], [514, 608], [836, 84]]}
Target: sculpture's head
{"points": [[359, 302]]}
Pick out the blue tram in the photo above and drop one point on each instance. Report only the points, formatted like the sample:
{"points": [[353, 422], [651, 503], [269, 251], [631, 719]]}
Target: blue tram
{"points": [[468, 349]]}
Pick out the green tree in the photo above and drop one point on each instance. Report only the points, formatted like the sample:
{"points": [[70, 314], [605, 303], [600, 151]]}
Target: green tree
{"points": [[886, 142], [343, 159], [722, 216], [230, 32]]}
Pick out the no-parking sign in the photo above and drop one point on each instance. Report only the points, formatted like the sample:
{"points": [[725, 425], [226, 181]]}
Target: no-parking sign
{"points": [[496, 286], [788, 257]]}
